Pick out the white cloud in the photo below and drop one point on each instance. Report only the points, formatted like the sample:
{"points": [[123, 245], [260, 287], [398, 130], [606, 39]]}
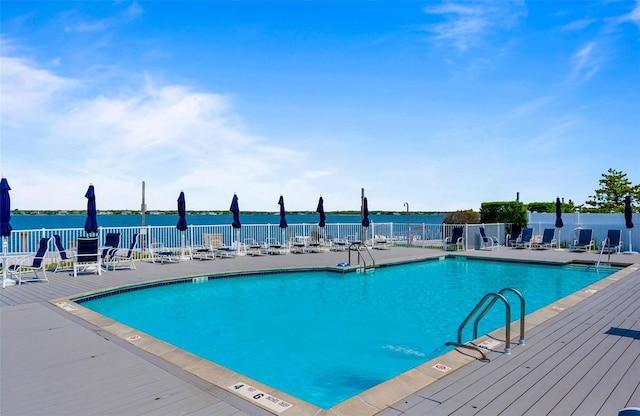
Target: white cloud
{"points": [[466, 24], [74, 22], [578, 25], [633, 16], [586, 61]]}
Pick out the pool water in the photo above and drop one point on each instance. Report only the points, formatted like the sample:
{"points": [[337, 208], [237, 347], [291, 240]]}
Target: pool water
{"points": [[324, 336]]}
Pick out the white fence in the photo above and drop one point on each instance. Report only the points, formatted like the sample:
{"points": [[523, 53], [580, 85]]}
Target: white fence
{"points": [[418, 235], [599, 223]]}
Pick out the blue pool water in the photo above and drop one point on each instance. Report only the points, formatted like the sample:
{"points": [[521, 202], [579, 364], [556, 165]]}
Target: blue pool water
{"points": [[325, 337]]}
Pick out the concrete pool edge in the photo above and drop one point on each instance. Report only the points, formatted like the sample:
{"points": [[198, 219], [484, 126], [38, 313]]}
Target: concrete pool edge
{"points": [[368, 402]]}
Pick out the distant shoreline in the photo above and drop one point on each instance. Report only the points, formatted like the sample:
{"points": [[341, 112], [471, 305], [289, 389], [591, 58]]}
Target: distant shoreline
{"points": [[206, 212]]}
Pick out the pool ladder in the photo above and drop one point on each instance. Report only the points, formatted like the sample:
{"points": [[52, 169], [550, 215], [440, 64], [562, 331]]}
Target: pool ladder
{"points": [[358, 246], [492, 298]]}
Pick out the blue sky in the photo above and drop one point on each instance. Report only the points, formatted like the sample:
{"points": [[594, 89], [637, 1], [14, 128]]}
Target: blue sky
{"points": [[443, 105]]}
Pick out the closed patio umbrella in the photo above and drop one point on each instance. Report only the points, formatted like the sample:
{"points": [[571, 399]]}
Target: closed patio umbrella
{"points": [[628, 217], [91, 223], [5, 224], [5, 209], [182, 213], [283, 218], [283, 214], [365, 212], [182, 218], [365, 218], [559, 223], [235, 209], [320, 210]]}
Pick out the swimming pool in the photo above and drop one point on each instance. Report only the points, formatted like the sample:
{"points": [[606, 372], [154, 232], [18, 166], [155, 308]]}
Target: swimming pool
{"points": [[326, 336]]}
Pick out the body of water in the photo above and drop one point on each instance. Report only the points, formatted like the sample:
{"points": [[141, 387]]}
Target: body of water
{"points": [[34, 222]]}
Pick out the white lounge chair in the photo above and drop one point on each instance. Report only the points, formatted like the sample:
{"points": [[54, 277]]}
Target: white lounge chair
{"points": [[525, 238], [613, 243], [486, 242], [87, 257], [381, 242], [160, 254], [205, 251], [584, 242], [548, 240], [253, 248], [122, 258], [32, 264], [65, 256]]}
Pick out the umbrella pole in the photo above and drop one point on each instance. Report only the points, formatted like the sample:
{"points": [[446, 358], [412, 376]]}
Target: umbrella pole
{"points": [[630, 251], [4, 263]]}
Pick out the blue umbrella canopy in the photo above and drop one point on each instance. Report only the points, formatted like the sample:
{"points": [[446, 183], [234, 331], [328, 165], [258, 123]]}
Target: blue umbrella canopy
{"points": [[235, 209], [5, 209], [320, 210], [91, 223], [283, 219], [182, 213], [559, 223], [628, 212], [365, 212]]}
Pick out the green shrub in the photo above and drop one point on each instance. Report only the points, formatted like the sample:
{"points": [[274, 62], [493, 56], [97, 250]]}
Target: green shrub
{"points": [[513, 212]]}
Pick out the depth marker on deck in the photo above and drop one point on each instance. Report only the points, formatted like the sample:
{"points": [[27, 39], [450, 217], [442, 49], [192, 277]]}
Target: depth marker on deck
{"points": [[260, 397], [66, 306]]}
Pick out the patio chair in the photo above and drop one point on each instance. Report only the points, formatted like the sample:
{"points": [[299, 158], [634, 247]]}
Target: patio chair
{"points": [[273, 247], [87, 258], [513, 235], [584, 242], [160, 254], [122, 258], [253, 247], [455, 241], [613, 243], [380, 242], [524, 240], [111, 243], [65, 260], [547, 241], [339, 244], [32, 264], [488, 243]]}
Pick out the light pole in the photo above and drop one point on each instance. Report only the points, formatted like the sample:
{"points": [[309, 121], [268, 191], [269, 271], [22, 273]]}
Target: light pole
{"points": [[406, 204]]}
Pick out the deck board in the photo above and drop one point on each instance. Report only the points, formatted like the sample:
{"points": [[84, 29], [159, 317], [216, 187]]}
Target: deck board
{"points": [[584, 361]]}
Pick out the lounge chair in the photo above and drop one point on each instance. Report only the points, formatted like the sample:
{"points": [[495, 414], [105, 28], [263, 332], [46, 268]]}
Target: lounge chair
{"points": [[87, 257], [455, 241], [273, 246], [547, 241], [339, 244], [111, 243], [525, 238], [613, 243], [381, 242], [253, 247], [65, 260], [513, 235], [122, 259], [160, 254], [488, 243], [206, 251], [299, 245], [32, 264], [584, 242]]}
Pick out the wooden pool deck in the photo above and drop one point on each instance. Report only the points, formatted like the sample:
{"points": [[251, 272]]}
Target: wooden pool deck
{"points": [[584, 360]]}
